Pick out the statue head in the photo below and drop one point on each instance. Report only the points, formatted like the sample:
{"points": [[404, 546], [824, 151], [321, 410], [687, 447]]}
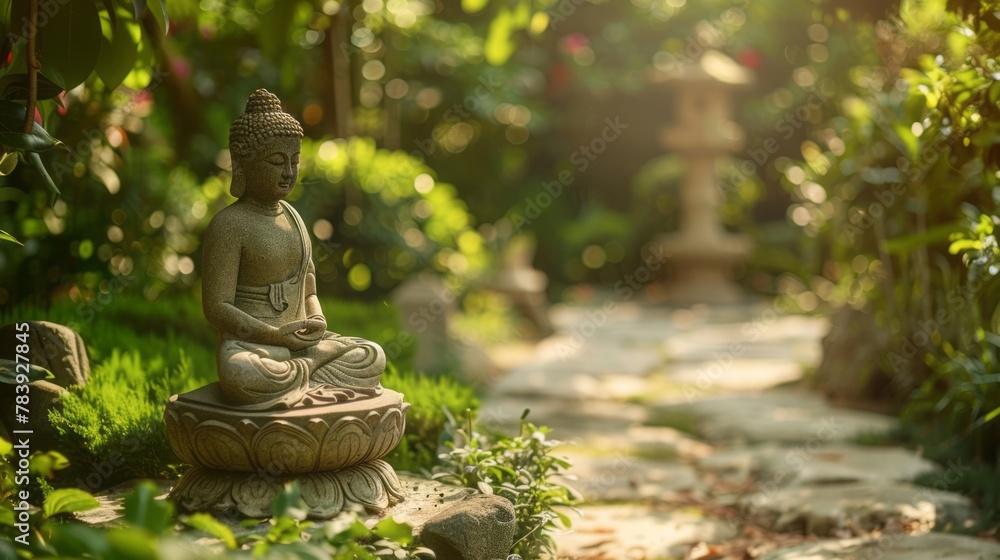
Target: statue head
{"points": [[264, 145]]}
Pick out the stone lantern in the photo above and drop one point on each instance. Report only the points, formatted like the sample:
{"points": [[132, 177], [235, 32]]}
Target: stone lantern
{"points": [[703, 252]]}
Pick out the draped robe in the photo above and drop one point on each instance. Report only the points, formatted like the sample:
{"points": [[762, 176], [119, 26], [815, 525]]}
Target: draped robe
{"points": [[262, 376]]}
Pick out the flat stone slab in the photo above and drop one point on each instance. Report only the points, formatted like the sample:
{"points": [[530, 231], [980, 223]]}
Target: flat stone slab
{"points": [[618, 477], [565, 384], [932, 546], [700, 346], [569, 420], [775, 416], [832, 464], [822, 510], [642, 332], [627, 532], [733, 375], [651, 442], [794, 338]]}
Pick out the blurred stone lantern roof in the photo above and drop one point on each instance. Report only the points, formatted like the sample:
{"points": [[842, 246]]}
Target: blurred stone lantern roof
{"points": [[711, 69]]}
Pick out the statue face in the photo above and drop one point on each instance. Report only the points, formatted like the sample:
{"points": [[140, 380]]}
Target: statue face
{"points": [[273, 171]]}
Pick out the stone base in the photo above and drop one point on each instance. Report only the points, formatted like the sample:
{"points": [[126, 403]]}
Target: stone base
{"points": [[701, 268], [373, 485], [204, 431]]}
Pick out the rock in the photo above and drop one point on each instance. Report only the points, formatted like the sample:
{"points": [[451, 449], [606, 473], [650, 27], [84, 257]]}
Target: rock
{"points": [[44, 396], [658, 442], [822, 510], [932, 546], [56, 348], [626, 532], [738, 463], [775, 416], [479, 528], [846, 463]]}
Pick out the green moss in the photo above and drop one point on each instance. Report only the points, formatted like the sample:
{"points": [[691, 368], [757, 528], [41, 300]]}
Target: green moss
{"points": [[143, 352]]}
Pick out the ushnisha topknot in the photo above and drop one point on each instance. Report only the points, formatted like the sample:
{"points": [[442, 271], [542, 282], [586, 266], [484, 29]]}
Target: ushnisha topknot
{"points": [[261, 119]]}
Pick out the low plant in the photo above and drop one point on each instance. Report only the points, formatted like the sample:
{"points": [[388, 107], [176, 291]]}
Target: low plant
{"points": [[432, 399], [26, 530], [149, 527], [521, 469]]}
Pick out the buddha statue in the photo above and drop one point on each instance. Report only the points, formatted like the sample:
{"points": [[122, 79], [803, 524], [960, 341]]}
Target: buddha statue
{"points": [[259, 281], [294, 402]]}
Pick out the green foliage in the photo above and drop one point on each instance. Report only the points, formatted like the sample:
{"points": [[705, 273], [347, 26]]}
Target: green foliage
{"points": [[17, 518], [521, 469], [911, 147], [390, 217], [433, 400], [143, 352], [149, 529], [981, 482], [80, 40]]}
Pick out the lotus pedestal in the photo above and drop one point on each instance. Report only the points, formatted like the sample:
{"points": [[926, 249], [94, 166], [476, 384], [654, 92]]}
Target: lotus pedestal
{"points": [[241, 459]]}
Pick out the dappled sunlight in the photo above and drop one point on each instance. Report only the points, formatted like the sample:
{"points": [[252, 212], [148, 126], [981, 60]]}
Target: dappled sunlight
{"points": [[521, 280]]}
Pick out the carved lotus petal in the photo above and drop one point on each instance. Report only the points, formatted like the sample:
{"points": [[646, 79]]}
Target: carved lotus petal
{"points": [[201, 488], [365, 487], [178, 435], [220, 446], [386, 434], [283, 447], [322, 493], [254, 495], [347, 443], [391, 482]]}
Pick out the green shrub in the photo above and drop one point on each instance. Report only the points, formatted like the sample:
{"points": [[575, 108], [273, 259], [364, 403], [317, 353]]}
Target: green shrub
{"points": [[521, 469], [426, 420], [112, 428]]}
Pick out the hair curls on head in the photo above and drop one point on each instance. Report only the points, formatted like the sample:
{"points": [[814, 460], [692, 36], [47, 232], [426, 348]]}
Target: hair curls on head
{"points": [[261, 119]]}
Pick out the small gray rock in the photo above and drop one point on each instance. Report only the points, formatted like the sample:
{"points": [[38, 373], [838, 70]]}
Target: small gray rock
{"points": [[56, 348], [44, 396], [479, 528]]}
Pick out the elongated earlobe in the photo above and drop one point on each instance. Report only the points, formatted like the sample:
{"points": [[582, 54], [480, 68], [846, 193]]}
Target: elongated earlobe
{"points": [[239, 185]]}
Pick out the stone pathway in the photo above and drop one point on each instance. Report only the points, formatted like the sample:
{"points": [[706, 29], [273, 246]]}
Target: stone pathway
{"points": [[693, 439]]}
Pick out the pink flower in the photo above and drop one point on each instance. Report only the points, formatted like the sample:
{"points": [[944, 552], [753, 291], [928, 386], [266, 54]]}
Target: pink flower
{"points": [[750, 58], [573, 43]]}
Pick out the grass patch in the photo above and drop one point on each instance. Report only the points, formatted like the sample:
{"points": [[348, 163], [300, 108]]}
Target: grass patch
{"points": [[142, 352]]}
